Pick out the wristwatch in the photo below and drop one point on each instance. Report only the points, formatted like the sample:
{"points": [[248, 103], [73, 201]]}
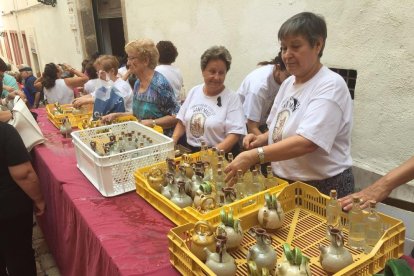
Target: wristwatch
{"points": [[261, 154]]}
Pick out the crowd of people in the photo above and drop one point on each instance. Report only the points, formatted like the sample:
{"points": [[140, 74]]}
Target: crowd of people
{"points": [[292, 111]]}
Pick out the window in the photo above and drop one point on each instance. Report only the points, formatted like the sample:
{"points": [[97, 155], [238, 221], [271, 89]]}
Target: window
{"points": [[350, 77], [26, 49], [7, 44], [16, 47]]}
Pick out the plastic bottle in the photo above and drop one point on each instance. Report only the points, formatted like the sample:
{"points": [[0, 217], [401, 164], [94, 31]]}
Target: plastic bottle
{"points": [[374, 227], [356, 237]]}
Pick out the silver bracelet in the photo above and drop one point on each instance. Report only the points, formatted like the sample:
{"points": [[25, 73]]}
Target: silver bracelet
{"points": [[261, 154]]}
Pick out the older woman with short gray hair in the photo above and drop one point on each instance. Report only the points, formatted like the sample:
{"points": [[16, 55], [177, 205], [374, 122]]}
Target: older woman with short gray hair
{"points": [[309, 137]]}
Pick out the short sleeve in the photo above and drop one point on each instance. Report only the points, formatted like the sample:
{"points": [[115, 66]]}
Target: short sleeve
{"points": [[321, 123], [252, 106]]}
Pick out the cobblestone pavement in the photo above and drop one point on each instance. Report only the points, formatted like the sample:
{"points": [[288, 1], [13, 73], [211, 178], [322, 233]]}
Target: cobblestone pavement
{"points": [[45, 263]]}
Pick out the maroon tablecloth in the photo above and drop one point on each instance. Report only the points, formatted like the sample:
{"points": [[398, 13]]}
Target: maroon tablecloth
{"points": [[87, 233]]}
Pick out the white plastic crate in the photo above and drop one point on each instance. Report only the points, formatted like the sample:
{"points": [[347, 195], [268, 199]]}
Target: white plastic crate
{"points": [[114, 174]]}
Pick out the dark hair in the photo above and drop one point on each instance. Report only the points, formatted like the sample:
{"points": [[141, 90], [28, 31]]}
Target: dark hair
{"points": [[50, 75], [216, 52], [309, 25], [276, 61], [90, 70], [168, 52], [3, 65]]}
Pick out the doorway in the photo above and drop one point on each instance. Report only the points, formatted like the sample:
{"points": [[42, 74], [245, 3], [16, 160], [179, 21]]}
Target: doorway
{"points": [[109, 27]]}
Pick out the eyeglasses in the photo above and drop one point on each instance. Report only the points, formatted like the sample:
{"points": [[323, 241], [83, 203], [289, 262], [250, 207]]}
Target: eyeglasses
{"points": [[131, 58]]}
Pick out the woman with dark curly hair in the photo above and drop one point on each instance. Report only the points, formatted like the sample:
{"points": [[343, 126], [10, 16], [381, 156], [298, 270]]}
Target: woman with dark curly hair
{"points": [[57, 89], [168, 54]]}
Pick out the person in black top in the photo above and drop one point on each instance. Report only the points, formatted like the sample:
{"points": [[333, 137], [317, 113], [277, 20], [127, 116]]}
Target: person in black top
{"points": [[19, 189]]}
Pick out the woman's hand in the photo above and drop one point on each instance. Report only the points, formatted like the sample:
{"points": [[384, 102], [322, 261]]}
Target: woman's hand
{"points": [[377, 192], [78, 102], [147, 122], [248, 139], [252, 141], [243, 162], [109, 117], [40, 207]]}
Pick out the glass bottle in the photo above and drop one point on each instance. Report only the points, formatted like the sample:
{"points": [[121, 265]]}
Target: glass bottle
{"points": [[239, 186], [261, 177], [374, 228], [256, 186], [204, 154], [356, 236], [219, 185], [333, 212], [271, 180], [214, 157]]}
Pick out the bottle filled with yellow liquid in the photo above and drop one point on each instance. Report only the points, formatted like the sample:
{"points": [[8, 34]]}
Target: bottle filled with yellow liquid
{"points": [[374, 227], [356, 237], [333, 212]]}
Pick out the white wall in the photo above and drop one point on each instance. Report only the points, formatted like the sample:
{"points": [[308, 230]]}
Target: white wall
{"points": [[54, 38], [372, 37]]}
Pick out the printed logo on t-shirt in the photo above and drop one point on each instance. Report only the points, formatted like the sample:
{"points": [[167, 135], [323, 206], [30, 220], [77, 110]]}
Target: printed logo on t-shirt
{"points": [[200, 114], [289, 106], [197, 124]]}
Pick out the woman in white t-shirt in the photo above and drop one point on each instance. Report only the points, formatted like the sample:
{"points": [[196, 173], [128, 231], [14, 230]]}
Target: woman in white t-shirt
{"points": [[121, 101], [258, 91], [56, 89], [211, 112], [168, 54], [309, 137]]}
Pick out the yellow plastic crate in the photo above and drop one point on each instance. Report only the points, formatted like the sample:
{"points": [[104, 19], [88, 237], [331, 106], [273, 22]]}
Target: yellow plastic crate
{"points": [[304, 226], [57, 118], [188, 214], [121, 119]]}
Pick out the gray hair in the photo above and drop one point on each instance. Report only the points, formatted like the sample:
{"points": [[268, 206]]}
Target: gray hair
{"points": [[311, 26], [216, 52]]}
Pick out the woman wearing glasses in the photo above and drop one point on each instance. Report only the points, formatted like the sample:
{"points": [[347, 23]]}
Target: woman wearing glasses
{"points": [[154, 101]]}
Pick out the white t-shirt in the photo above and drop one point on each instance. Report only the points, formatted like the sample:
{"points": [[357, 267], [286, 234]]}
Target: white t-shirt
{"points": [[60, 93], [257, 93], [125, 91], [122, 71], [319, 110], [89, 86], [211, 119], [173, 76]]}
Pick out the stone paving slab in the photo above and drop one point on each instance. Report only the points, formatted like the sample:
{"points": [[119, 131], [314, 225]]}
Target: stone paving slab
{"points": [[45, 263]]}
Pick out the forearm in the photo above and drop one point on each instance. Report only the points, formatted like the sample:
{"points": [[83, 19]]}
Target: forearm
{"points": [[398, 176], [166, 121], [228, 143], [253, 127], [178, 131], [286, 149]]}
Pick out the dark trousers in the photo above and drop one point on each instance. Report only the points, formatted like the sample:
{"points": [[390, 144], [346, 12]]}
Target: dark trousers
{"points": [[343, 183], [16, 252]]}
